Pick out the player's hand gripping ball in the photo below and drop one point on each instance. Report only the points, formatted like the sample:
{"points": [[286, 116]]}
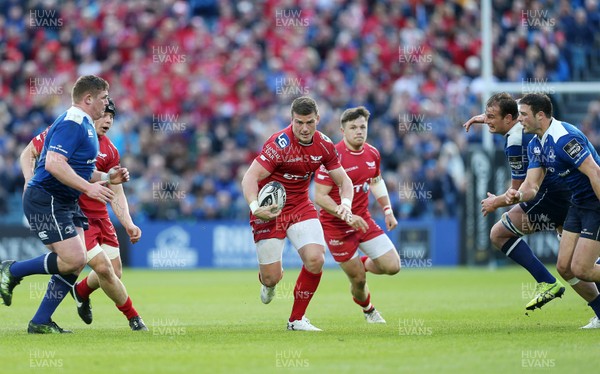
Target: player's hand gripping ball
{"points": [[272, 193]]}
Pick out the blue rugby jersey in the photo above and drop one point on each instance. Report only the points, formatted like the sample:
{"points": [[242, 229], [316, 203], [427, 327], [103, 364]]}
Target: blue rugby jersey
{"points": [[561, 150], [72, 135], [515, 148]]}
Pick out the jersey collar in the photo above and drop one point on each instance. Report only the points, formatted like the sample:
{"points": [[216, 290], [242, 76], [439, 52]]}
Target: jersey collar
{"points": [[552, 121], [75, 109]]}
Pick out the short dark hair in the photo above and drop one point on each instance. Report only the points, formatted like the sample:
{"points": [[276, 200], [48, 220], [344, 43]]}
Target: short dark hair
{"points": [[354, 113], [88, 84], [538, 103], [506, 103], [304, 106]]}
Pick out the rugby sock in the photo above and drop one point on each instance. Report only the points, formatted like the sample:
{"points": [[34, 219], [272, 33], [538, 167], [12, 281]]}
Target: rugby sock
{"points": [[83, 289], [45, 264], [521, 253], [595, 305], [366, 305], [58, 287], [306, 285], [127, 309], [364, 259]]}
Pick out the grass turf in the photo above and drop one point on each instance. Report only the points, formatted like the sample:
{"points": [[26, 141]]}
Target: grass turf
{"points": [[439, 321]]}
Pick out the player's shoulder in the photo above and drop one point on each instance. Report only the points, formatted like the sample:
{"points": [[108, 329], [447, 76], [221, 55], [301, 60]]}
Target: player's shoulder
{"points": [[76, 116], [369, 149], [562, 132], [281, 139], [322, 138], [516, 137]]}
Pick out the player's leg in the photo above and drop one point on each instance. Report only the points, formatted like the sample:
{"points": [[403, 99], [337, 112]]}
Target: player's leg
{"points": [[382, 258], [587, 251], [58, 287], [53, 223], [307, 236], [269, 253], [587, 290], [506, 236]]}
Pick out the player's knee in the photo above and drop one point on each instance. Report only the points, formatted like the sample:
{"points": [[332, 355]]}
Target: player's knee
{"points": [[391, 267], [270, 280], [564, 269], [104, 270], [314, 263], [581, 272], [498, 237]]}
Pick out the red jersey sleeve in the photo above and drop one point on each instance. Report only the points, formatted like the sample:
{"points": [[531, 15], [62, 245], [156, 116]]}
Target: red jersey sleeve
{"points": [[322, 177], [271, 155], [38, 141]]}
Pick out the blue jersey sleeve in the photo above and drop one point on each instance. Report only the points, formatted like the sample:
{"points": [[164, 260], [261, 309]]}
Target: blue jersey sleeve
{"points": [[65, 138], [517, 161], [533, 153], [573, 149]]}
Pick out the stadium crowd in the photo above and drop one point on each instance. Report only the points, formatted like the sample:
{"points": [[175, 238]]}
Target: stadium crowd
{"points": [[199, 84]]}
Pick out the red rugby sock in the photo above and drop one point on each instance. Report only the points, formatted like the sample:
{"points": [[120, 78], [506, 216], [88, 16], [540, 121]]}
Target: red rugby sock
{"points": [[306, 285], [83, 289], [127, 309]]}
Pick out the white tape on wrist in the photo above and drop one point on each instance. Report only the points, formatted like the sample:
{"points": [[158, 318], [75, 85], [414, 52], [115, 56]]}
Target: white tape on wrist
{"points": [[347, 202], [253, 206], [387, 210], [105, 177], [520, 196]]}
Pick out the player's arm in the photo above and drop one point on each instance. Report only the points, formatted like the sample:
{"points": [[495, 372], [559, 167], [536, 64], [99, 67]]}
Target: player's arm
{"points": [[324, 200], [255, 173], [121, 208], [27, 161], [528, 189], [115, 175], [343, 181], [480, 118], [590, 168], [379, 190], [493, 202], [57, 165]]}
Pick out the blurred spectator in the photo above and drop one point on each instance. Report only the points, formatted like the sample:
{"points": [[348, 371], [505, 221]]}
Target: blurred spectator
{"points": [[199, 84]]}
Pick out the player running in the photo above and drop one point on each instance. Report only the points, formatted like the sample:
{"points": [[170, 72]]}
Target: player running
{"points": [[67, 163], [290, 157], [560, 149], [100, 238], [361, 161], [547, 210]]}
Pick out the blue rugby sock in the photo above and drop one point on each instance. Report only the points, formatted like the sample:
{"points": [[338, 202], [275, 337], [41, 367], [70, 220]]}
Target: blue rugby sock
{"points": [[58, 287], [45, 264], [595, 305], [519, 252]]}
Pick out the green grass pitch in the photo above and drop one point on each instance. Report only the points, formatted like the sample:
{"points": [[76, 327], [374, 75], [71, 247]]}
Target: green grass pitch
{"points": [[439, 321]]}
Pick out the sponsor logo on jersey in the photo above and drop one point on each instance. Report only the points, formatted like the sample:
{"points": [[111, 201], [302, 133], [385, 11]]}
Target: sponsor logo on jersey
{"points": [[335, 242], [101, 155], [282, 140], [573, 148], [515, 162], [69, 229], [537, 151], [296, 177], [564, 173], [351, 168], [271, 153], [43, 235], [90, 133], [316, 158], [371, 164]]}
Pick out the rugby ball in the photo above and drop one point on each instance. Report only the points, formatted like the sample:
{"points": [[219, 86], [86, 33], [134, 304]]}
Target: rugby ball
{"points": [[272, 193]]}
